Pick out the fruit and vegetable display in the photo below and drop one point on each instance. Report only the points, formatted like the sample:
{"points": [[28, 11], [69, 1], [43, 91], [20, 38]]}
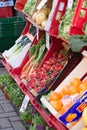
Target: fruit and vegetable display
{"points": [[36, 52], [47, 73], [63, 100], [43, 69]]}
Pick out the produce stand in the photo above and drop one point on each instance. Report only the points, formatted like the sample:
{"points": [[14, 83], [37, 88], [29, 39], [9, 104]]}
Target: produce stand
{"points": [[75, 60]]}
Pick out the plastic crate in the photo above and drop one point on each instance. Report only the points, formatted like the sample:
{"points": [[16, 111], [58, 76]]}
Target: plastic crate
{"points": [[19, 5], [6, 12], [7, 42], [79, 19], [57, 11], [11, 23], [9, 28]]}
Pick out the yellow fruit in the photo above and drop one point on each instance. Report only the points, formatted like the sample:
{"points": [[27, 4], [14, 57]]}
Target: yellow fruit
{"points": [[84, 116], [84, 128]]}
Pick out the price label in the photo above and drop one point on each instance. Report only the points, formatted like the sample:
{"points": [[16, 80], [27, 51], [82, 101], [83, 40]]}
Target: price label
{"points": [[70, 4], [37, 33], [47, 41], [41, 4], [24, 103], [61, 6], [84, 53]]}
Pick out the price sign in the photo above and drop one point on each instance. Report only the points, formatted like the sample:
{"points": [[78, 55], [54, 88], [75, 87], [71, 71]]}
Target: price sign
{"points": [[47, 41], [37, 33], [24, 103], [70, 4]]}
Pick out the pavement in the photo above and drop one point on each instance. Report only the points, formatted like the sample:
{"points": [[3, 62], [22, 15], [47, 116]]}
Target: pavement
{"points": [[9, 119]]}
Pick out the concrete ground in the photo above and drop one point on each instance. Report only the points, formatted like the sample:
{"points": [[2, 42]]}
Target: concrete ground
{"points": [[9, 120]]}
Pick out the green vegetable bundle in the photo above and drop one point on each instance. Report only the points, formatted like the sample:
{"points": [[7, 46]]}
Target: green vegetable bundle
{"points": [[78, 42], [30, 6], [38, 50], [65, 23]]}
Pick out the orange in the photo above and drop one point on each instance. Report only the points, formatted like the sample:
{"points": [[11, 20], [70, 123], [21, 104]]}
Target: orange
{"points": [[54, 96], [73, 90], [82, 87], [84, 82], [64, 109], [57, 105], [75, 82], [65, 91]]}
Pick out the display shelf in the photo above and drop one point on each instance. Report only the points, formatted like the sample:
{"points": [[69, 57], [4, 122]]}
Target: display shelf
{"points": [[57, 11]]}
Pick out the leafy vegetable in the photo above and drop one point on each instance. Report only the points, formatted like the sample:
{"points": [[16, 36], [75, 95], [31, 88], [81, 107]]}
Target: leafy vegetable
{"points": [[77, 42], [64, 25], [84, 5], [29, 6], [34, 49]]}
